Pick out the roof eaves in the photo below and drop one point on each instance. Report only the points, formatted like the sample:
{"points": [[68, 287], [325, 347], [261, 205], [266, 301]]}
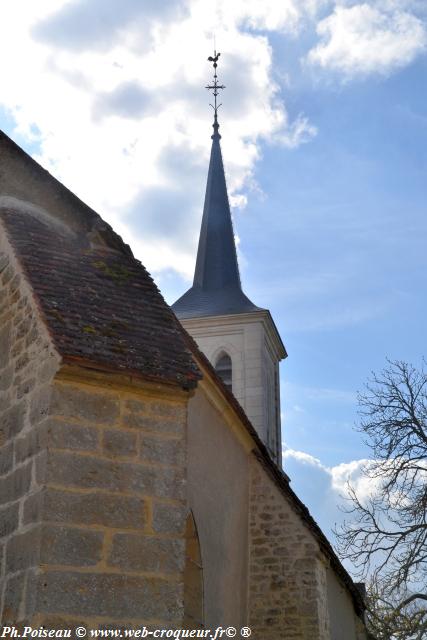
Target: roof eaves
{"points": [[186, 383]]}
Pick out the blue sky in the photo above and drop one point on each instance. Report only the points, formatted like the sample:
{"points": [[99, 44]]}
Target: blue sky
{"points": [[324, 130]]}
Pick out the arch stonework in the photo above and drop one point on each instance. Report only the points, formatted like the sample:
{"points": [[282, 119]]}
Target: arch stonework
{"points": [[193, 577]]}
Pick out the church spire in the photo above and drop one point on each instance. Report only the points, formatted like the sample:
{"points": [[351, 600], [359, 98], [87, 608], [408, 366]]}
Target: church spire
{"points": [[216, 286], [215, 87]]}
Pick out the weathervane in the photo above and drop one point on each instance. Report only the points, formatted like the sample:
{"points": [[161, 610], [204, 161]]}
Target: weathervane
{"points": [[215, 87]]}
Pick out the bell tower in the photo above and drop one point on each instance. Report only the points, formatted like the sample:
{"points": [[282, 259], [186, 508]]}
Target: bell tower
{"points": [[240, 339]]}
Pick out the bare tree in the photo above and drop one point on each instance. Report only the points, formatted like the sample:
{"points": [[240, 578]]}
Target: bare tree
{"points": [[387, 619], [386, 535]]}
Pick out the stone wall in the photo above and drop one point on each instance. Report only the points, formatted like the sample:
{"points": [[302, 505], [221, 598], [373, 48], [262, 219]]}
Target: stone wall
{"points": [[27, 365], [287, 583], [112, 511]]}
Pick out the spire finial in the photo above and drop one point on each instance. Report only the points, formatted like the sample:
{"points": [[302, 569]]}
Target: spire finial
{"points": [[215, 87]]}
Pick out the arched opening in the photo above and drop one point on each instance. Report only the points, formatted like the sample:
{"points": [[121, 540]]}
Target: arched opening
{"points": [[224, 370], [193, 578]]}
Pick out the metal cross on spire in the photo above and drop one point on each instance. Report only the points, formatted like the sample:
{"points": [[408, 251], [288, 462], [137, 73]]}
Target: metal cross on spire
{"points": [[215, 88]]}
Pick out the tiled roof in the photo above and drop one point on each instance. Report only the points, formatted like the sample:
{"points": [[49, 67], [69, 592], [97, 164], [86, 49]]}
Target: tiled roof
{"points": [[100, 304]]}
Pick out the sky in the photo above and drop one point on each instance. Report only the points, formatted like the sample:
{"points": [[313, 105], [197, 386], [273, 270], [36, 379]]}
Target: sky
{"points": [[324, 138]]}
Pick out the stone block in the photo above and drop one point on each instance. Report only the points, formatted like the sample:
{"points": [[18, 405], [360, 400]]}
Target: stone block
{"points": [[31, 593], [23, 328], [25, 387], [22, 361], [9, 517], [6, 377], [23, 550], [89, 406], [13, 597], [160, 408], [4, 261], [31, 442], [88, 472], [17, 348], [7, 275], [5, 344], [131, 552], [166, 451], [168, 518], [66, 435], [32, 337], [13, 300], [40, 402], [119, 443], [12, 421], [169, 410], [47, 370], [122, 512], [153, 424], [16, 484], [6, 458], [6, 313], [5, 401], [33, 506], [24, 304], [110, 595], [66, 546], [18, 316], [40, 462], [134, 405]]}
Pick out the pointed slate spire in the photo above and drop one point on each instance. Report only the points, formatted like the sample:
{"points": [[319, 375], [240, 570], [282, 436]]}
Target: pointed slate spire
{"points": [[216, 287], [216, 265]]}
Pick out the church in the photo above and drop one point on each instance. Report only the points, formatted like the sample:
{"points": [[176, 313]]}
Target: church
{"points": [[141, 484]]}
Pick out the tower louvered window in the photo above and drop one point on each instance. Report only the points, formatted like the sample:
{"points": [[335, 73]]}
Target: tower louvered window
{"points": [[224, 370]]}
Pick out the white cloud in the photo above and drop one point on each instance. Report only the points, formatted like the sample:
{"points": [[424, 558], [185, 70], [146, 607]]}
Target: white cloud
{"points": [[120, 111], [269, 15], [301, 456], [339, 476], [353, 473], [288, 16], [365, 38], [297, 133], [112, 94]]}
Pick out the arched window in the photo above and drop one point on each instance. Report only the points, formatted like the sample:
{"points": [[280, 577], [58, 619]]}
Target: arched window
{"points": [[224, 370], [193, 578]]}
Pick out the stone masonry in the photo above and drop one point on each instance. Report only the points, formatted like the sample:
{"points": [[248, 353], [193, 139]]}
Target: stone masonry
{"points": [[27, 365], [287, 583], [112, 508], [92, 485]]}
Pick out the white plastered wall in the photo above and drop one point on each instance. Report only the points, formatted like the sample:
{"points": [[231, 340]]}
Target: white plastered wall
{"points": [[254, 346]]}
